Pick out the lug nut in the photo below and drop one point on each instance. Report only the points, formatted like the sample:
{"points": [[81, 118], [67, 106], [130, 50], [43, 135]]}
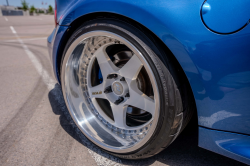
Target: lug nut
{"points": [[122, 79], [127, 95], [112, 76], [108, 89], [118, 101]]}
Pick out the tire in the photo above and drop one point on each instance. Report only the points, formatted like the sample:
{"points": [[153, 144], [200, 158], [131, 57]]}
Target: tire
{"points": [[145, 125]]}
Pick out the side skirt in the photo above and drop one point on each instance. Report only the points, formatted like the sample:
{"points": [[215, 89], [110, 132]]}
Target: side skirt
{"points": [[232, 145]]}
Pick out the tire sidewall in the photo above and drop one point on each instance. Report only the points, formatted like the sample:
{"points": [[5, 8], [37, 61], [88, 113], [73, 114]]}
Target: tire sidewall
{"points": [[162, 134]]}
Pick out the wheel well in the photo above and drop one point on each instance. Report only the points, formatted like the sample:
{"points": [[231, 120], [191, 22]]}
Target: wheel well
{"points": [[80, 20], [99, 15]]}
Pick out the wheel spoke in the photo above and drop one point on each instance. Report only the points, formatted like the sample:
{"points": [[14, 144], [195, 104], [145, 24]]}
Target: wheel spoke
{"points": [[140, 100], [132, 68], [106, 65], [96, 91], [124, 75], [119, 113]]}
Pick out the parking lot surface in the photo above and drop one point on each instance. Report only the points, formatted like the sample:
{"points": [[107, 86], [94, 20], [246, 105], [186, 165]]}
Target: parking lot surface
{"points": [[35, 127]]}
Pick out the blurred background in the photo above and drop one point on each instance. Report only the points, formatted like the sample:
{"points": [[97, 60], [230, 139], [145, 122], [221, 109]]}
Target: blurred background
{"points": [[35, 126], [26, 7]]}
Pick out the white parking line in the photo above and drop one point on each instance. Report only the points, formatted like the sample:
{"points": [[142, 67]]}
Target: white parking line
{"points": [[44, 74], [6, 19], [42, 38], [13, 30], [101, 158]]}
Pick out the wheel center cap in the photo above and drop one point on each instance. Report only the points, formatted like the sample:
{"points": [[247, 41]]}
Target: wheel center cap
{"points": [[117, 88]]}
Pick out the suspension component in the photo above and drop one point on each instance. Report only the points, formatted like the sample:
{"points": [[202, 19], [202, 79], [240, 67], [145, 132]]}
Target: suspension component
{"points": [[118, 101], [112, 76], [108, 89]]}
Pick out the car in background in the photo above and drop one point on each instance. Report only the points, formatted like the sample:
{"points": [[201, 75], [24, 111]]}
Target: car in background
{"points": [[133, 72]]}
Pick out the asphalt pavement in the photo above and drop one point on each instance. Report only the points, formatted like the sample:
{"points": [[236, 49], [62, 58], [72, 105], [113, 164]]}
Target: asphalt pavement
{"points": [[35, 126]]}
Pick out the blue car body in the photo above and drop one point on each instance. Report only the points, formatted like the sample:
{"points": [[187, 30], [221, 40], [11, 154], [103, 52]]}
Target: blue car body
{"points": [[211, 41]]}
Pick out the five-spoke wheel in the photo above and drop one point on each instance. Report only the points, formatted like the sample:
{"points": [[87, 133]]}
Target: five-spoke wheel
{"points": [[118, 92]]}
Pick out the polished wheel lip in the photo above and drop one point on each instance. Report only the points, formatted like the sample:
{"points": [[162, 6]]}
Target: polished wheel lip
{"points": [[148, 69]]}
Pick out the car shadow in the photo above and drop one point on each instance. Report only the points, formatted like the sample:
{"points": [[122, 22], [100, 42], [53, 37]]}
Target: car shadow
{"points": [[183, 151]]}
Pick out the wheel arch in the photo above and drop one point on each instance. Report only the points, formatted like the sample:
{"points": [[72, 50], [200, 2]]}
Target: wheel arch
{"points": [[76, 23]]}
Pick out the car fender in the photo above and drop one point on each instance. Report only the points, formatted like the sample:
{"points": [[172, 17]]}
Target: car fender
{"points": [[141, 11], [210, 61]]}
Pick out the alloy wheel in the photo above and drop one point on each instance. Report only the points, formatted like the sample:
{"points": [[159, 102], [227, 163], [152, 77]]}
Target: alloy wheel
{"points": [[111, 91]]}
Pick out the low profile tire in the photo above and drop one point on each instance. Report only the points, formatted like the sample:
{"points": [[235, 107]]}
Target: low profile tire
{"points": [[119, 92]]}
